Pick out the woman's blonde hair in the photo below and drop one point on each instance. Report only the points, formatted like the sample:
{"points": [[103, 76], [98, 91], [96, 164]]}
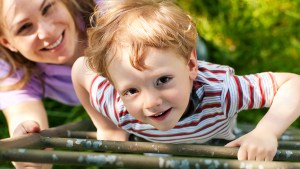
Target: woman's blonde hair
{"points": [[137, 25], [80, 11]]}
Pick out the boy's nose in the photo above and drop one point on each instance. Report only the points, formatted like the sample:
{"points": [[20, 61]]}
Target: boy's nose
{"points": [[152, 101]]}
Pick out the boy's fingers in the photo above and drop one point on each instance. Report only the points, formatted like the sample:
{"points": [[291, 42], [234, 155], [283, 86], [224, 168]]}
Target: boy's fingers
{"points": [[270, 156], [234, 143], [260, 158], [261, 154], [252, 152], [242, 154]]}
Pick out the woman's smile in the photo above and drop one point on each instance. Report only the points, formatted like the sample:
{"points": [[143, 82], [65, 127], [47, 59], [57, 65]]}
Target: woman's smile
{"points": [[56, 44]]}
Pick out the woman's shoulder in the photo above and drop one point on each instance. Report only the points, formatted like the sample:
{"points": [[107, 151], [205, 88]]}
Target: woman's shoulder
{"points": [[6, 76], [5, 68]]}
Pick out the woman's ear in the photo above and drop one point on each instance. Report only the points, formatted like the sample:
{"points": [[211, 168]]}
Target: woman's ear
{"points": [[193, 65], [4, 42]]}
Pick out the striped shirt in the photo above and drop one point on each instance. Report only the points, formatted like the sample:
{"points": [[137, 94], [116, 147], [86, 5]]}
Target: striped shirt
{"points": [[217, 96]]}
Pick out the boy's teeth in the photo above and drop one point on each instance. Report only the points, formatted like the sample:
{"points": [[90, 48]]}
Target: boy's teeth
{"points": [[54, 45]]}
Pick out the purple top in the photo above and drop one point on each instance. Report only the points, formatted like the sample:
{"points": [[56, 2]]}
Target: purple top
{"points": [[57, 85]]}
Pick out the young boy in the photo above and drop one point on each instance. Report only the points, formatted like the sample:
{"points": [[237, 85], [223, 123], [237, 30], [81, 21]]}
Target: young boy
{"points": [[141, 76]]}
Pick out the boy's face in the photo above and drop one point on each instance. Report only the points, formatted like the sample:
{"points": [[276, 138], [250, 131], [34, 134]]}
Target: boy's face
{"points": [[158, 95]]}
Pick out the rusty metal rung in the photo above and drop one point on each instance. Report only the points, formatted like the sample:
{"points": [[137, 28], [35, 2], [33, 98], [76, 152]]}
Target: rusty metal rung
{"points": [[76, 144]]}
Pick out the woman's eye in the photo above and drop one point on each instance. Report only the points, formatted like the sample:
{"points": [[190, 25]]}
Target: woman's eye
{"points": [[163, 80], [24, 28], [130, 92], [47, 8]]}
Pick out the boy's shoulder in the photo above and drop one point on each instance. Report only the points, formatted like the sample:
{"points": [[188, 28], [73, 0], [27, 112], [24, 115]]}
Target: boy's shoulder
{"points": [[204, 66]]}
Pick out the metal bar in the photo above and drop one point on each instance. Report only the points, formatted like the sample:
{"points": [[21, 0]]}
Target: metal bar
{"points": [[141, 147], [206, 154], [282, 144], [82, 134], [30, 141], [133, 161], [292, 145], [160, 148], [35, 140], [290, 137], [64, 130]]}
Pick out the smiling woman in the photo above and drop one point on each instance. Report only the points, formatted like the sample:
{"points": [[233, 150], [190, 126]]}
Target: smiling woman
{"points": [[48, 36], [42, 32]]}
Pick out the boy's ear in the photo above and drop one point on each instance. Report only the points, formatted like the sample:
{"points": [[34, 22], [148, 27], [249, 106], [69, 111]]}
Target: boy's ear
{"points": [[193, 65], [4, 42]]}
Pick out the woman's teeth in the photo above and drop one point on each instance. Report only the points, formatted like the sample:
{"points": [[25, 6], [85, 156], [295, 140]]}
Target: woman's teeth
{"points": [[159, 114], [54, 45]]}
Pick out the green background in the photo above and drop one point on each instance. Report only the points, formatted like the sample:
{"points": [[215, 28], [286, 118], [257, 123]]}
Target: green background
{"points": [[249, 35]]}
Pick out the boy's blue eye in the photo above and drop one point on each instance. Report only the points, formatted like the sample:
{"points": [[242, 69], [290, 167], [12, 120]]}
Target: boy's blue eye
{"points": [[162, 80], [130, 92]]}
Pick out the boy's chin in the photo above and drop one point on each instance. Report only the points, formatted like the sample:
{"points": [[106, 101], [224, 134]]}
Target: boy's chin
{"points": [[164, 127]]}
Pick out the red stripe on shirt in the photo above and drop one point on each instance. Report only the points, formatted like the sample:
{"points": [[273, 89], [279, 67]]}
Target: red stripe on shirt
{"points": [[105, 111], [123, 113], [228, 102], [240, 93], [203, 69], [105, 87], [181, 133], [212, 93], [91, 93], [203, 136], [195, 123], [208, 105]]}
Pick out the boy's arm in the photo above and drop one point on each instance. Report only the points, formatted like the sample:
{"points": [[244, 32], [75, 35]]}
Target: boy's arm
{"points": [[82, 78], [261, 143]]}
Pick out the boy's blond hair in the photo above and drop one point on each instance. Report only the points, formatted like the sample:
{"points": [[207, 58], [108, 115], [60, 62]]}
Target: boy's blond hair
{"points": [[137, 25]]}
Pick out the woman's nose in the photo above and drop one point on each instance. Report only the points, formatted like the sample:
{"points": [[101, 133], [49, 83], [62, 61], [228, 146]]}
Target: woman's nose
{"points": [[45, 30]]}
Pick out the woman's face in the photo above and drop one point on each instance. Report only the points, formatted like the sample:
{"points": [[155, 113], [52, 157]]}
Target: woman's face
{"points": [[41, 30]]}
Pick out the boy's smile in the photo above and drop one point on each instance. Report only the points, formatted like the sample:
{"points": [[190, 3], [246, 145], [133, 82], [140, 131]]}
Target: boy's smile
{"points": [[159, 94]]}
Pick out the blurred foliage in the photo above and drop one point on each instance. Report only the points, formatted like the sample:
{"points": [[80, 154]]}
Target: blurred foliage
{"points": [[249, 35]]}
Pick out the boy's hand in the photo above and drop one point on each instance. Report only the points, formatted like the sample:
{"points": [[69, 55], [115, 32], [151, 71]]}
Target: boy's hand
{"points": [[256, 145]]}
